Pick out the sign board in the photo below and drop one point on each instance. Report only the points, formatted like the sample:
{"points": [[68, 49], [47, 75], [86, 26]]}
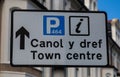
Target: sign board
{"points": [[58, 38]]}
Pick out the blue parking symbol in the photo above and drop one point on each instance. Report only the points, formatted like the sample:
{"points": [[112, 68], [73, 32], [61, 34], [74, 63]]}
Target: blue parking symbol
{"points": [[53, 25]]}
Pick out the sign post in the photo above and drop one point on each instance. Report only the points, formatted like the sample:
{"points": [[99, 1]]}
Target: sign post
{"points": [[58, 38]]}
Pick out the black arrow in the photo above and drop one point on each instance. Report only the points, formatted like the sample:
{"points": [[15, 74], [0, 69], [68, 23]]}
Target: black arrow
{"points": [[22, 32]]}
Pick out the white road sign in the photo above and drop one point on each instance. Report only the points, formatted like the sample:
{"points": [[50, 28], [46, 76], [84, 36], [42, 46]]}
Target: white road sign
{"points": [[58, 38]]}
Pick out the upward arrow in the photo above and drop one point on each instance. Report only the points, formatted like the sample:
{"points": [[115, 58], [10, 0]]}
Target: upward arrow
{"points": [[22, 32]]}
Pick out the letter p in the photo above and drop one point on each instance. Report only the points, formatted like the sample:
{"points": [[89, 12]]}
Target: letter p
{"points": [[53, 25]]}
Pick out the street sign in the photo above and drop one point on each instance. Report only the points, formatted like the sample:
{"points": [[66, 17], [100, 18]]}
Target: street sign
{"points": [[58, 38]]}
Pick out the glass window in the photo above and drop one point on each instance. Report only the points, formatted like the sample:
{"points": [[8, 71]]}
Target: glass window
{"points": [[88, 72], [94, 5], [58, 72], [90, 4], [44, 0], [76, 72], [82, 1]]}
